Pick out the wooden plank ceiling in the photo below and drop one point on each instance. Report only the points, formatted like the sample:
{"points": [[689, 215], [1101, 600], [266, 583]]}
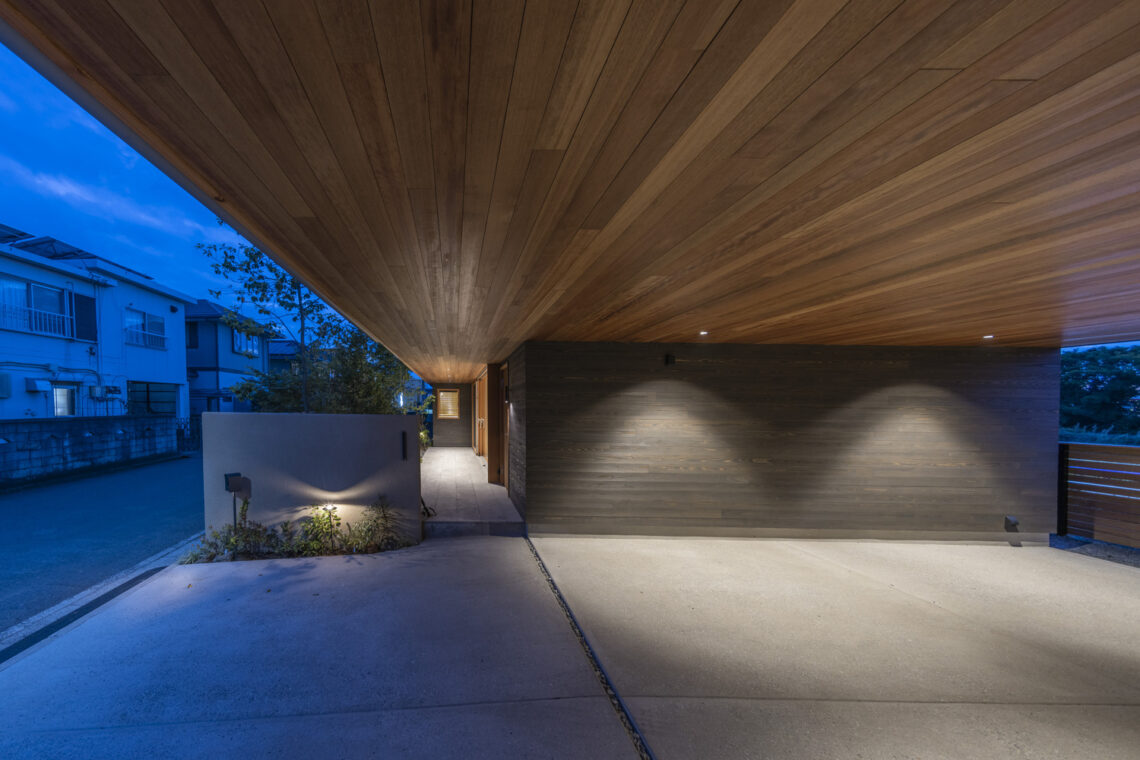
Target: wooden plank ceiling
{"points": [[459, 176]]}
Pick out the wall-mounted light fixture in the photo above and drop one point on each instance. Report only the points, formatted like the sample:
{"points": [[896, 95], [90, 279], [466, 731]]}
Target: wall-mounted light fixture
{"points": [[987, 337], [704, 332]]}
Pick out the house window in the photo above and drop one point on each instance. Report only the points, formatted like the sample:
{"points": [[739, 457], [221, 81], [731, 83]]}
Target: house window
{"points": [[145, 329], [37, 308], [191, 335], [63, 400], [448, 405], [244, 343], [152, 398]]}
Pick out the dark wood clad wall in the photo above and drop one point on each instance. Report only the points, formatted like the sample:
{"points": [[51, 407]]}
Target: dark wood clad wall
{"points": [[789, 440], [516, 429], [454, 432]]}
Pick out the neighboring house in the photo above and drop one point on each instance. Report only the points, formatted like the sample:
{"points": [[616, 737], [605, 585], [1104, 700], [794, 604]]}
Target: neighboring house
{"points": [[283, 355], [217, 357], [416, 391], [81, 336]]}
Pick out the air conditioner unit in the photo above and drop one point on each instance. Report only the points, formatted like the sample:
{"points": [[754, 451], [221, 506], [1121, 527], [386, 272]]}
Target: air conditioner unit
{"points": [[105, 391], [32, 385]]}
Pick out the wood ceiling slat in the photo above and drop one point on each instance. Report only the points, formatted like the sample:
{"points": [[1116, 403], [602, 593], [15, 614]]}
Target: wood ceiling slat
{"points": [[644, 68], [348, 26], [447, 58], [907, 157], [495, 30], [545, 29], [458, 177], [398, 29]]}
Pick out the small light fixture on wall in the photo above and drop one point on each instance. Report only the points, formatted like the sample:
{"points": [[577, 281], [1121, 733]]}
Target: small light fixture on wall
{"points": [[703, 333], [987, 337]]}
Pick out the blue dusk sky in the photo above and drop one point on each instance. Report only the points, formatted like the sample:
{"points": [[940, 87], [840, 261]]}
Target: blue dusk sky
{"points": [[65, 175]]}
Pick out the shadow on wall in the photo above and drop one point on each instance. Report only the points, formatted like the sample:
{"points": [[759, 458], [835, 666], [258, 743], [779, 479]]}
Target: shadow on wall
{"points": [[294, 461], [800, 444]]}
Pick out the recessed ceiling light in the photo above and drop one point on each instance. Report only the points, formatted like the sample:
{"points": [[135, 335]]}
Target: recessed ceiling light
{"points": [[987, 337], [704, 332]]}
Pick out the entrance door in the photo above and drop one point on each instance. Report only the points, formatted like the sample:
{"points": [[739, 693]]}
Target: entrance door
{"points": [[479, 437]]}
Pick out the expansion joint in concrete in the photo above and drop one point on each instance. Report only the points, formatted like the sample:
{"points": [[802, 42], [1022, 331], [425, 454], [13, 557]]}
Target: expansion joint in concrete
{"points": [[623, 713]]}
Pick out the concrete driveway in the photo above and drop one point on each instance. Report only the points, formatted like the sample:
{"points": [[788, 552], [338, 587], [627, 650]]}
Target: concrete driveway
{"points": [[836, 649], [60, 539], [720, 648], [452, 649]]}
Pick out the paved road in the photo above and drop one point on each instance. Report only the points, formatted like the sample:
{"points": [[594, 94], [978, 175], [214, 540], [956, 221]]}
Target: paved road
{"points": [[57, 540]]}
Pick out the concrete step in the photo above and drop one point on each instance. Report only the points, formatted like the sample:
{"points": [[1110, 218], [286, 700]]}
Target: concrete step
{"points": [[449, 528]]}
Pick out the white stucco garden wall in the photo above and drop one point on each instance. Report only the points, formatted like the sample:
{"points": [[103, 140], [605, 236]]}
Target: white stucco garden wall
{"points": [[296, 460]]}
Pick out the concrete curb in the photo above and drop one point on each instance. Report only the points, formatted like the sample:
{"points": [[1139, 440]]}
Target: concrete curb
{"points": [[14, 636]]}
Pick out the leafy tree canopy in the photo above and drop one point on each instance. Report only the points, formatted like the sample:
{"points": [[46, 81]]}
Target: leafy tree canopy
{"points": [[337, 368], [1099, 389]]}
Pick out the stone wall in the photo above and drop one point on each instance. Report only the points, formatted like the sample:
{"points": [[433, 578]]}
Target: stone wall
{"points": [[34, 448]]}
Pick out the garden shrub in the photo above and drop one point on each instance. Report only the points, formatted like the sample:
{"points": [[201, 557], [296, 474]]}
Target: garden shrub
{"points": [[319, 534]]}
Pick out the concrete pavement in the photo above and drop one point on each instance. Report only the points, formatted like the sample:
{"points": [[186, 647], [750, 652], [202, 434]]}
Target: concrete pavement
{"points": [[62, 538], [720, 648], [454, 648], [740, 649]]}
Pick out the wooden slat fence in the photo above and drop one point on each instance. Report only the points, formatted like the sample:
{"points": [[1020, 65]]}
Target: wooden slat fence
{"points": [[1100, 495]]}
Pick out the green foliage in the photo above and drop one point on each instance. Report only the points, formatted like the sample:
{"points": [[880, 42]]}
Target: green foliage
{"points": [[258, 282], [319, 534], [1079, 434], [1099, 390], [338, 369]]}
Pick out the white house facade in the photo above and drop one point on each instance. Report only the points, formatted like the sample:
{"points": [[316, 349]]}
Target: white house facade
{"points": [[81, 336]]}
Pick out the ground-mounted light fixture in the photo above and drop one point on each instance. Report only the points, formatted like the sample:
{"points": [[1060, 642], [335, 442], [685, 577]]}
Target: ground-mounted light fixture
{"points": [[1012, 525], [238, 486]]}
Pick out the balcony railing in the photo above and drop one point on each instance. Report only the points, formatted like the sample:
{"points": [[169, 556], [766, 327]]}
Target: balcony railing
{"points": [[137, 337], [36, 321]]}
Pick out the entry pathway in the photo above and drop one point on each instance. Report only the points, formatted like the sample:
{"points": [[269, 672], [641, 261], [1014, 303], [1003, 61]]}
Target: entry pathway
{"points": [[456, 648], [843, 649], [60, 539], [454, 485]]}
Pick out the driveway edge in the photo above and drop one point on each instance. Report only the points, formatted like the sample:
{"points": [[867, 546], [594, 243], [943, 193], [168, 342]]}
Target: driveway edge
{"points": [[623, 713]]}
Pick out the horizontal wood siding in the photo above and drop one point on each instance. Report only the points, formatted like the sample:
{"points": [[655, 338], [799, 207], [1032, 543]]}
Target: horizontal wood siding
{"points": [[789, 440], [1103, 493], [454, 432]]}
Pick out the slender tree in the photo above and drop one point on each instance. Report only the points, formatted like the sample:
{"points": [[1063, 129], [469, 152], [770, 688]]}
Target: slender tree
{"points": [[340, 369]]}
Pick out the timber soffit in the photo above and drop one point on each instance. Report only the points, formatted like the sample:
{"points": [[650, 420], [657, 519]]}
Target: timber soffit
{"points": [[459, 177]]}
